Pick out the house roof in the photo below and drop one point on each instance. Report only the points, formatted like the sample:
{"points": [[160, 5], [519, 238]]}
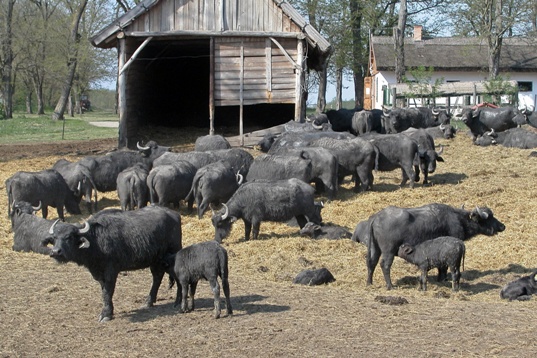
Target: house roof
{"points": [[105, 38], [456, 53]]}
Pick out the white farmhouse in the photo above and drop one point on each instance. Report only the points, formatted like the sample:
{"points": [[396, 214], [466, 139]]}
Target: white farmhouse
{"points": [[462, 64]]}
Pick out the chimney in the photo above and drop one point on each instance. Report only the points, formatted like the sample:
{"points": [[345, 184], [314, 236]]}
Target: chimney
{"points": [[417, 32]]}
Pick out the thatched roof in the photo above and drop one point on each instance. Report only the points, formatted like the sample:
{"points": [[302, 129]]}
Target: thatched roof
{"points": [[456, 53]]}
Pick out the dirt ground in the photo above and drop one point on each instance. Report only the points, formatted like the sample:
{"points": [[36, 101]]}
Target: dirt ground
{"points": [[48, 309]]}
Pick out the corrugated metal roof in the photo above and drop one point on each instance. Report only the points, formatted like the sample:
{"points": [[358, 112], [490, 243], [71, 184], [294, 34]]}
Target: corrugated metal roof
{"points": [[456, 53]]}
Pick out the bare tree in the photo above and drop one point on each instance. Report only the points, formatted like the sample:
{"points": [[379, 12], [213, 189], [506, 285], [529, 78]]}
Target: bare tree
{"points": [[74, 41]]}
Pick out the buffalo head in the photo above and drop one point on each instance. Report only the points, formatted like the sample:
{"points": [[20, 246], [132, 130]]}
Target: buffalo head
{"points": [[67, 241]]}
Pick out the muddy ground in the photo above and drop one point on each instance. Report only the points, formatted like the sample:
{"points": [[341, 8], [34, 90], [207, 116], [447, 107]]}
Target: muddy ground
{"points": [[49, 309]]}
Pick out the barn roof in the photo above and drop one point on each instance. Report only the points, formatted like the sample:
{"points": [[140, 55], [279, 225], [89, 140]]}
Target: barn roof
{"points": [[456, 54], [214, 20]]}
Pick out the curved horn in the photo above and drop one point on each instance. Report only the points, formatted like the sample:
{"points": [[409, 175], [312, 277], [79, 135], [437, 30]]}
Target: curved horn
{"points": [[34, 208], [240, 178], [385, 111], [442, 127], [316, 126], [481, 213], [85, 229], [51, 230], [226, 213], [441, 150], [435, 113], [140, 147]]}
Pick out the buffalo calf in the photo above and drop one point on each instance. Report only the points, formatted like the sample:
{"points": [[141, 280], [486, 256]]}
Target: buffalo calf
{"points": [[206, 260], [520, 289], [325, 231], [444, 251]]}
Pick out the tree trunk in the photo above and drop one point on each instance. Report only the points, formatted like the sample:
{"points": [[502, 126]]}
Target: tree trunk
{"points": [[71, 65], [358, 56], [321, 96], [399, 44], [339, 88], [7, 64]]}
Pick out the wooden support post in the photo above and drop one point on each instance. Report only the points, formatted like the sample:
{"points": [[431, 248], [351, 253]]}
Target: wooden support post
{"points": [[300, 82], [122, 103], [241, 96], [211, 87]]}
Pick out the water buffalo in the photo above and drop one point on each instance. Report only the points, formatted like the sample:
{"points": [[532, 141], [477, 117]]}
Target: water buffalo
{"points": [[28, 229], [394, 226], [483, 119], [325, 231], [299, 140], [211, 142], [213, 184], [399, 119], [112, 241], [520, 289], [44, 188], [169, 184], [324, 167], [340, 119], [79, 179], [266, 200], [132, 187], [444, 251], [276, 167], [206, 260], [514, 137], [428, 156], [314, 277]]}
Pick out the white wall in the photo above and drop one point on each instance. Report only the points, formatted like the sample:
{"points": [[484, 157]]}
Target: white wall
{"points": [[525, 98]]}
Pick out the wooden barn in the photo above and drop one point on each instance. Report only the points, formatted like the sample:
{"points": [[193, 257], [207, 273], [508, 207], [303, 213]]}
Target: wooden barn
{"points": [[211, 63]]}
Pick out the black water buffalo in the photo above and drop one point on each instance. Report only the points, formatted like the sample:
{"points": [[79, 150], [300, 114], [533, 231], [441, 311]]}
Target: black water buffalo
{"points": [[483, 119], [314, 277], [355, 157], [28, 229], [530, 116], [520, 289], [446, 131], [444, 251], [325, 231], [324, 167], [112, 241], [239, 159], [428, 156], [393, 226], [266, 200], [45, 188], [132, 187], [278, 167], [206, 260], [211, 142], [340, 119], [307, 126], [299, 140], [396, 151], [362, 122], [399, 119], [513, 138], [79, 179], [169, 184], [213, 184]]}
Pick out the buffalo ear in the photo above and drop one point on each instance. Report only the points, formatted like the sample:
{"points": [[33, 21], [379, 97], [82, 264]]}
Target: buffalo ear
{"points": [[84, 243], [45, 242], [232, 219], [408, 250], [440, 159]]}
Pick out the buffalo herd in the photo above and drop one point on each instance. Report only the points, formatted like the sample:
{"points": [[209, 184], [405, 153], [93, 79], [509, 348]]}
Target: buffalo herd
{"points": [[277, 186]]}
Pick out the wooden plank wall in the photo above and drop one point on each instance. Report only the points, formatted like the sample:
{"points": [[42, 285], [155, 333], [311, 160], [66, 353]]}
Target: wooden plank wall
{"points": [[268, 75], [214, 15]]}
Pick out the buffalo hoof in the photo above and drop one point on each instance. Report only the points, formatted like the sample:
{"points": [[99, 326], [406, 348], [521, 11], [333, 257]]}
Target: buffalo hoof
{"points": [[104, 319]]}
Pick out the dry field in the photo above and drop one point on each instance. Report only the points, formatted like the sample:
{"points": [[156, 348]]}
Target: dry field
{"points": [[49, 309]]}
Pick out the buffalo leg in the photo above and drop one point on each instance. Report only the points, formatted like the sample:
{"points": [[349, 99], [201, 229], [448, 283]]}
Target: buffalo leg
{"points": [[225, 287], [386, 265], [184, 296], [455, 278], [442, 273], [407, 174], [255, 226], [158, 274], [372, 259], [215, 287], [423, 280], [248, 230], [178, 296], [44, 211], [417, 173], [193, 287], [301, 220], [108, 285]]}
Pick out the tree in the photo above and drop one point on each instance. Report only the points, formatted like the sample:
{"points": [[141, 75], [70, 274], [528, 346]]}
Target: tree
{"points": [[74, 41], [6, 61]]}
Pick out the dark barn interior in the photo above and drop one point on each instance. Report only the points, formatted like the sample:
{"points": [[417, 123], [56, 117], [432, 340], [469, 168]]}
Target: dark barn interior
{"points": [[172, 89]]}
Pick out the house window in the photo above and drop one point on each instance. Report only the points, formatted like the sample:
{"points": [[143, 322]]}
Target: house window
{"points": [[525, 86]]}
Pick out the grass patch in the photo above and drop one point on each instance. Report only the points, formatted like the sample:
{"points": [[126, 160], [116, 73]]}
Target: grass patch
{"points": [[24, 128]]}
